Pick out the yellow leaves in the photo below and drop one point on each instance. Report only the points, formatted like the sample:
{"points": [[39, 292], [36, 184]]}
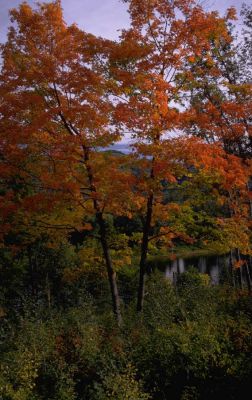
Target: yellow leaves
{"points": [[121, 258], [72, 275], [233, 233], [26, 368], [173, 208], [89, 261], [136, 237]]}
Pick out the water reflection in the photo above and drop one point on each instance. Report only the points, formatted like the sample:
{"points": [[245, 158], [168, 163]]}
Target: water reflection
{"points": [[214, 266]]}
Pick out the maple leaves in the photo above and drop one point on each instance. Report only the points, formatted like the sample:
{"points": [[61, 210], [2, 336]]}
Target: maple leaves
{"points": [[67, 95], [174, 43], [53, 77]]}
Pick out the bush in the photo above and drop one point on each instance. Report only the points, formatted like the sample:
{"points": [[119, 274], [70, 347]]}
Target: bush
{"points": [[120, 386]]}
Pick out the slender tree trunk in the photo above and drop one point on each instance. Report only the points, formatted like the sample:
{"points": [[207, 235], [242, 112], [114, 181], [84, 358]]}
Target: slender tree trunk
{"points": [[238, 256], [144, 251], [249, 263], [232, 268], [248, 277], [145, 244], [48, 291], [110, 271], [250, 208], [31, 272], [99, 217], [104, 242]]}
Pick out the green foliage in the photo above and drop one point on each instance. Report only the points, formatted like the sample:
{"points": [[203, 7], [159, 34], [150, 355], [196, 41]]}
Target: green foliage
{"points": [[189, 341], [120, 386], [193, 341], [46, 355], [192, 279]]}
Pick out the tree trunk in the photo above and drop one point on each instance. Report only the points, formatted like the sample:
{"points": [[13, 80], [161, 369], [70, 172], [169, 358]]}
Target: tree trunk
{"points": [[99, 217], [248, 277], [144, 251], [239, 271], [103, 238], [48, 291], [110, 271], [145, 243], [231, 262]]}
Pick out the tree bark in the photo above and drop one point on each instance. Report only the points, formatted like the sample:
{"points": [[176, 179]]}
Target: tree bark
{"points": [[145, 244], [110, 271], [104, 242], [144, 252], [248, 277]]}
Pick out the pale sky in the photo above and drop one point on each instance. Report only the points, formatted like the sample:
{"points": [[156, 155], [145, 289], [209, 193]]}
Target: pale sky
{"points": [[101, 17]]}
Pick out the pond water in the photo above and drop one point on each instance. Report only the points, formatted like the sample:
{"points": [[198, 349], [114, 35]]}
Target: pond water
{"points": [[214, 266], [217, 267]]}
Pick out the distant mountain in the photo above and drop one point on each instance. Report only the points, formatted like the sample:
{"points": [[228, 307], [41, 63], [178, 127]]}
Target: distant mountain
{"points": [[122, 147], [119, 147]]}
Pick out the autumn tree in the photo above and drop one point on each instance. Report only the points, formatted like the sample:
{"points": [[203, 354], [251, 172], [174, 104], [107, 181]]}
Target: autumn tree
{"points": [[56, 116], [219, 91], [149, 65]]}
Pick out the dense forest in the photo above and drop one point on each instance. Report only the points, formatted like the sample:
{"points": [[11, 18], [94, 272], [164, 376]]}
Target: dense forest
{"points": [[86, 231]]}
